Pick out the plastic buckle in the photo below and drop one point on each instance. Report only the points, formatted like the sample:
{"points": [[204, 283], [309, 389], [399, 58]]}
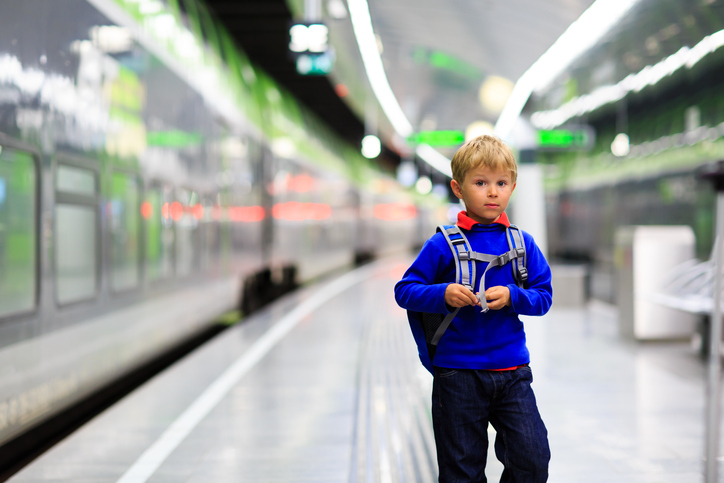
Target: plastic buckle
{"points": [[523, 273], [520, 251]]}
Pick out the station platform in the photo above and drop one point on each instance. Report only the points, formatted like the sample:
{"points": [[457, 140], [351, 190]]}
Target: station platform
{"points": [[325, 386]]}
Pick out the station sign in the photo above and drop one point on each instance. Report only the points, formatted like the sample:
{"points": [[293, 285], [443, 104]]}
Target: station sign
{"points": [[309, 46], [308, 64], [578, 138], [437, 138]]}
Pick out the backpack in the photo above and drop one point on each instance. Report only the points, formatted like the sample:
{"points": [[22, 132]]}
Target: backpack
{"points": [[435, 325]]}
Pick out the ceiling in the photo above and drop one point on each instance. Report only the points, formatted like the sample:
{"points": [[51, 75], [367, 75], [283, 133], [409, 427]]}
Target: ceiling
{"points": [[436, 53]]}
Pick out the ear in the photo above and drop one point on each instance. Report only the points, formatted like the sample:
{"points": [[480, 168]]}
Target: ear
{"points": [[456, 189], [513, 188]]}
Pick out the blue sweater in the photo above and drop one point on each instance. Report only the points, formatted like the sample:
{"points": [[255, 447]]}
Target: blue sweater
{"points": [[475, 340]]}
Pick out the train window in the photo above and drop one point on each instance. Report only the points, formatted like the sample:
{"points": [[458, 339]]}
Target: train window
{"points": [[74, 180], [76, 234], [158, 223], [18, 259], [76, 253], [124, 211]]}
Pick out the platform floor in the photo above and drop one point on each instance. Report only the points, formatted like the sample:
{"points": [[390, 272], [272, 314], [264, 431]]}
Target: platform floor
{"points": [[325, 386]]}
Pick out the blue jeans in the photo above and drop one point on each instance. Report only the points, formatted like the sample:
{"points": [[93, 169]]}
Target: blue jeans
{"points": [[464, 401]]}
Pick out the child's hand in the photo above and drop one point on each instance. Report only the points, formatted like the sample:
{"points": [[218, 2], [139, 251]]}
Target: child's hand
{"points": [[458, 296], [497, 297]]}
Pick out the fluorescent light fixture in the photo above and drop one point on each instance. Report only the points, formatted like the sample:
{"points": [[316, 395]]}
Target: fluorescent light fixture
{"points": [[359, 13], [432, 157], [647, 76], [362, 24], [580, 36]]}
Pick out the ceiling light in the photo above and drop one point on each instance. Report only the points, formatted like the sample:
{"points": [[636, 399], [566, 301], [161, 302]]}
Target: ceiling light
{"points": [[362, 24], [478, 128], [406, 173], [578, 37], [620, 146], [649, 75], [371, 146], [494, 93], [432, 157], [423, 185]]}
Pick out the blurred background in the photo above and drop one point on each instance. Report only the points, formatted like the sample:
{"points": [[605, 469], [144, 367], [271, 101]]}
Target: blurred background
{"points": [[167, 164]]}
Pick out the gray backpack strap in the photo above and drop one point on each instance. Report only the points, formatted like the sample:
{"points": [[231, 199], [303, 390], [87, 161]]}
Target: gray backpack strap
{"points": [[478, 257], [443, 326], [464, 269], [515, 242], [460, 248], [510, 256]]}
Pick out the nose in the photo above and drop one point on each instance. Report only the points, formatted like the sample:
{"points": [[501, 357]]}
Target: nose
{"points": [[493, 191]]}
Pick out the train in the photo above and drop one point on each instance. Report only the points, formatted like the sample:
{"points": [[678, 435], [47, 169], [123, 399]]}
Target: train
{"points": [[151, 179]]}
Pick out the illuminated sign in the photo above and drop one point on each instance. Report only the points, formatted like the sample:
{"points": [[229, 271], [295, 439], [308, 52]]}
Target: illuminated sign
{"points": [[309, 45], [308, 37], [320, 64], [578, 138], [438, 138]]}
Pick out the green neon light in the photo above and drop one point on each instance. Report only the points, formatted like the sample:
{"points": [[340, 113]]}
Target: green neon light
{"points": [[438, 138], [441, 60], [563, 138]]}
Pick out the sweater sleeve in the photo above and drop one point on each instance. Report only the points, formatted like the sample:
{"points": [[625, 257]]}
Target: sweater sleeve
{"points": [[537, 298], [418, 290]]}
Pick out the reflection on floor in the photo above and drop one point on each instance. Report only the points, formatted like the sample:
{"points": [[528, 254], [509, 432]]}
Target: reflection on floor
{"points": [[342, 397], [616, 410]]}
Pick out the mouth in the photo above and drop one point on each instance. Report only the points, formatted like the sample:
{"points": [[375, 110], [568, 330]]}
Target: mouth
{"points": [[491, 205]]}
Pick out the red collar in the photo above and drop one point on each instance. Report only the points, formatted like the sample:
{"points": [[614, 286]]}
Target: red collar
{"points": [[466, 223]]}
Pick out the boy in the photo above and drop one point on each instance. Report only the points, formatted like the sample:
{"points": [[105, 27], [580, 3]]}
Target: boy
{"points": [[480, 367]]}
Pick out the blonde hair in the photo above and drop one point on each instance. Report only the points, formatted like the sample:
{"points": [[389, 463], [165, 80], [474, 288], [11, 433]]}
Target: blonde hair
{"points": [[488, 151]]}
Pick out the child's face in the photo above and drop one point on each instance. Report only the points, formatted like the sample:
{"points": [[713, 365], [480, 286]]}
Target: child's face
{"points": [[486, 193]]}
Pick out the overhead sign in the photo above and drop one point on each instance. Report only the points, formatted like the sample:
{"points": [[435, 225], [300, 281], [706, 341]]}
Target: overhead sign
{"points": [[566, 139], [309, 45], [319, 64], [437, 138]]}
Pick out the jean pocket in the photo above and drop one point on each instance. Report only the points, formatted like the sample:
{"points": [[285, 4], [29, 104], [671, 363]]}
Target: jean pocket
{"points": [[445, 372], [525, 372]]}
